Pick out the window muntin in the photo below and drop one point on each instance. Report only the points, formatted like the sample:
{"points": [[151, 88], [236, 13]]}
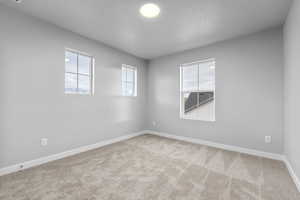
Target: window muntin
{"points": [[78, 73], [129, 80], [197, 90]]}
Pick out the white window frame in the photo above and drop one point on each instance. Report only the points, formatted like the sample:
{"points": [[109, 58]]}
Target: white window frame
{"points": [[125, 66], [91, 75], [181, 112]]}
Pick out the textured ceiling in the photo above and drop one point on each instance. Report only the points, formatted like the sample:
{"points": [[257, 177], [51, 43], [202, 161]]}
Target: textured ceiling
{"points": [[182, 24]]}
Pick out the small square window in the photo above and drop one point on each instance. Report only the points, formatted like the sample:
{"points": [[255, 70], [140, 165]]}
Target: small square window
{"points": [[78, 73], [129, 80]]}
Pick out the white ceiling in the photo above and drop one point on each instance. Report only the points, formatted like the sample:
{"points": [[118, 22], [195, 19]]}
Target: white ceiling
{"points": [[182, 24]]}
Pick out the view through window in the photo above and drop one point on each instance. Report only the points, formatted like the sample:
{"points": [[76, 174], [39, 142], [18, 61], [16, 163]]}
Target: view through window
{"points": [[197, 90], [78, 73], [129, 80]]}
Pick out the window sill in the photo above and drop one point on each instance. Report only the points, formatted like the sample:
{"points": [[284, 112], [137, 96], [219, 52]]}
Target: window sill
{"points": [[195, 119]]}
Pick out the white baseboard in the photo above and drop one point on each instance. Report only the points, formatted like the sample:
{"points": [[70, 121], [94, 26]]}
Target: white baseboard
{"points": [[219, 145], [292, 172], [43, 160], [236, 149]]}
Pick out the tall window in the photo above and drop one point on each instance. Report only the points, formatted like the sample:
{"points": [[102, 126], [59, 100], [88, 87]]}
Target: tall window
{"points": [[129, 80], [78, 73], [197, 90]]}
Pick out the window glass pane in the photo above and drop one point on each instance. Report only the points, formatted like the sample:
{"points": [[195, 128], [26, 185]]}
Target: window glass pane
{"points": [[71, 62], [84, 64], [190, 78], [124, 71], [128, 80], [198, 95], [129, 89], [206, 76], [130, 75], [190, 101], [84, 84], [70, 83]]}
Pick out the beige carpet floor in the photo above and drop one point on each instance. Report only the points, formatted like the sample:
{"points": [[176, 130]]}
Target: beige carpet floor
{"points": [[151, 167]]}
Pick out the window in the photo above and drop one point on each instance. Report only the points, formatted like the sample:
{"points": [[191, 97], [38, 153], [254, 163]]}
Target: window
{"points": [[197, 90], [78, 73], [129, 80]]}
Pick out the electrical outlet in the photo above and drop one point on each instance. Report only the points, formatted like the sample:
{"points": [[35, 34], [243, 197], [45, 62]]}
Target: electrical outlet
{"points": [[44, 141], [154, 123], [268, 139]]}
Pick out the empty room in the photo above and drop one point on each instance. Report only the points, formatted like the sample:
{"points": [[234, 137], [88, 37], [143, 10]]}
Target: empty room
{"points": [[149, 100]]}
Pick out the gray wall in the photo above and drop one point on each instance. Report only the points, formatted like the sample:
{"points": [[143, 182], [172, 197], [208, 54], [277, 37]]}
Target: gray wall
{"points": [[292, 86], [249, 92], [33, 104]]}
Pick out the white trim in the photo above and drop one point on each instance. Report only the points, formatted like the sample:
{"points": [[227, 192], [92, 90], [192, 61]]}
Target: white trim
{"points": [[78, 52], [43, 160], [273, 156], [90, 75], [219, 145], [199, 61], [292, 172], [181, 101], [125, 67]]}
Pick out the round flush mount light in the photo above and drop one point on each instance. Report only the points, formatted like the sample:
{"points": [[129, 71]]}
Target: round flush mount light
{"points": [[150, 10]]}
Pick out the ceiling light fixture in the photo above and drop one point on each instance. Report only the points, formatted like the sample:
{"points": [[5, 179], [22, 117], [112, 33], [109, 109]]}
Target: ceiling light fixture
{"points": [[150, 10]]}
